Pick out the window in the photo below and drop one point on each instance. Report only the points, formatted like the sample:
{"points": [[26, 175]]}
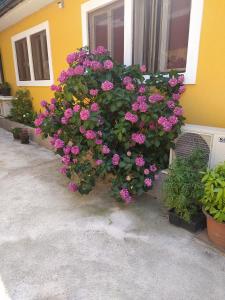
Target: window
{"points": [[106, 28], [32, 57], [162, 34]]}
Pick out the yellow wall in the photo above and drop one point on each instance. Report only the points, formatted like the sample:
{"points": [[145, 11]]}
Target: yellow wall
{"points": [[204, 102]]}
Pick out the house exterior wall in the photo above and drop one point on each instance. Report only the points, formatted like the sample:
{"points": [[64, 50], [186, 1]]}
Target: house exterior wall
{"points": [[204, 101]]}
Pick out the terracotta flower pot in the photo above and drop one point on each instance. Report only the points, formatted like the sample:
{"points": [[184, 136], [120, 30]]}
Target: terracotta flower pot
{"points": [[216, 232]]}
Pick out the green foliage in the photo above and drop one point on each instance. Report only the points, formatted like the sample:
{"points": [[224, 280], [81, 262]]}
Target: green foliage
{"points": [[22, 108], [183, 186], [214, 192]]}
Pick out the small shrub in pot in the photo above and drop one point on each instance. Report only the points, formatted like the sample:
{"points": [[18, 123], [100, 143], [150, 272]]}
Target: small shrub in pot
{"points": [[184, 190], [16, 133], [5, 89], [214, 204], [24, 136]]}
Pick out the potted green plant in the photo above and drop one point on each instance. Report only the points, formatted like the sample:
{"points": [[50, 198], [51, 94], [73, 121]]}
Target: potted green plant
{"points": [[184, 190], [5, 89], [16, 132], [213, 202], [24, 136]]}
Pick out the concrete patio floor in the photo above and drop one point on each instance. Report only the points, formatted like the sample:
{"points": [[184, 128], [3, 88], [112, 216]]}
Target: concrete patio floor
{"points": [[55, 245]]}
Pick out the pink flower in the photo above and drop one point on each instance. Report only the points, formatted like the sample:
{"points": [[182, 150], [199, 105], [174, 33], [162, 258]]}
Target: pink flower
{"points": [[73, 187], [75, 150], [90, 134], [146, 171], [44, 103], [173, 82], [63, 170], [178, 111], [130, 87], [129, 153], [135, 106], [155, 98], [170, 104], [96, 65], [100, 50], [141, 90], [84, 114], [93, 92], [68, 113], [105, 149], [173, 120], [139, 161], [79, 70], [108, 64], [131, 117], [127, 79], [58, 144], [152, 125], [67, 150], [38, 121], [153, 168], [63, 77], [139, 138], [181, 89], [143, 107], [99, 162], [165, 123], [82, 130], [107, 86], [115, 159], [76, 108], [70, 72], [52, 107], [176, 97], [125, 195], [143, 69], [64, 120], [180, 79], [148, 182], [56, 88], [38, 131], [98, 142], [66, 160], [94, 107], [72, 57], [53, 101], [99, 133]]}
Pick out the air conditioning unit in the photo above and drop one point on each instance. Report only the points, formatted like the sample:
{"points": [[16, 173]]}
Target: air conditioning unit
{"points": [[210, 139]]}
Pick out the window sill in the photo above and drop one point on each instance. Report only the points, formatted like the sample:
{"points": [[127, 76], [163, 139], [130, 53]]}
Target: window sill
{"points": [[35, 83]]}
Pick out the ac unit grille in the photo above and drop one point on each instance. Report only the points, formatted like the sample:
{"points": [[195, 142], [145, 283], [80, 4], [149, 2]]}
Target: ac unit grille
{"points": [[187, 142]]}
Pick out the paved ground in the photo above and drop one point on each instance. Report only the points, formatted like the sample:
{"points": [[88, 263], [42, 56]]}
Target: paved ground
{"points": [[55, 245]]}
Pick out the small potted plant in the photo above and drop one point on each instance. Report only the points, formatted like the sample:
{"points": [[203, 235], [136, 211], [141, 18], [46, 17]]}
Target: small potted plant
{"points": [[5, 89], [214, 204], [184, 190], [16, 133], [24, 136]]}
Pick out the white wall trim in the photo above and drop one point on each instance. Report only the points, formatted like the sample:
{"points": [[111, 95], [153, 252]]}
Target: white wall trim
{"points": [[22, 10], [194, 41], [26, 34], [194, 32]]}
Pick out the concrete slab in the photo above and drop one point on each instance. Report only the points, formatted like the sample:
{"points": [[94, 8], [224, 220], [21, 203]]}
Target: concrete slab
{"points": [[57, 245]]}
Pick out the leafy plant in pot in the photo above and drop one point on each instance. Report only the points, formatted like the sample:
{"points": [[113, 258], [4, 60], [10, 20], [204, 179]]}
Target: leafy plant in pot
{"points": [[16, 133], [184, 190], [5, 89], [214, 204]]}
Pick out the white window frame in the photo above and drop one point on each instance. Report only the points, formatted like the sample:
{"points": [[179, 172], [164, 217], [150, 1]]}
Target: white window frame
{"points": [[193, 41], [26, 34]]}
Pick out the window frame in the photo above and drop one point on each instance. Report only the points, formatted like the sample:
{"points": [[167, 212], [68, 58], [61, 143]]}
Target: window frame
{"points": [[26, 34], [193, 40]]}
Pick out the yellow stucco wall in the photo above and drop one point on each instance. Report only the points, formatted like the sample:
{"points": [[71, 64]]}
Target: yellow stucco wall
{"points": [[204, 102]]}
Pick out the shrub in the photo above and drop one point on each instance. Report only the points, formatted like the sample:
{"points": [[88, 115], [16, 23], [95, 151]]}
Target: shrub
{"points": [[105, 119], [183, 186], [214, 192], [22, 108]]}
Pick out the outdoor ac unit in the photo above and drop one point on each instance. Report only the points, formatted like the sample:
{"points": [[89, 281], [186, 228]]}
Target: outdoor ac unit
{"points": [[210, 139]]}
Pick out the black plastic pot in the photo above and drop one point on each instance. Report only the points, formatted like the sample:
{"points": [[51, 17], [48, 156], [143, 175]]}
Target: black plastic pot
{"points": [[24, 137], [6, 91], [198, 222]]}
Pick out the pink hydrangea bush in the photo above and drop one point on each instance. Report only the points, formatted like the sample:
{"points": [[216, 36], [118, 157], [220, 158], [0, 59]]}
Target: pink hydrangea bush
{"points": [[105, 118]]}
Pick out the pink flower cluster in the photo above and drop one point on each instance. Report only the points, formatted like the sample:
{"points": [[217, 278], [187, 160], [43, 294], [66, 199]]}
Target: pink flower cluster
{"points": [[148, 182], [139, 161], [108, 64], [138, 138], [107, 86], [115, 159], [131, 117], [84, 114], [156, 98], [90, 134], [140, 104], [105, 149], [168, 123], [125, 195]]}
